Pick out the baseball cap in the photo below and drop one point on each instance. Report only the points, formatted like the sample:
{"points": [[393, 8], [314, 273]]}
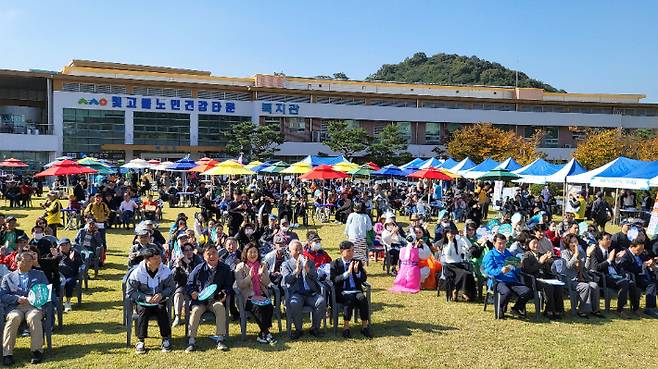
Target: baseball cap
{"points": [[182, 235], [10, 218], [142, 232], [63, 241], [279, 239], [314, 237]]}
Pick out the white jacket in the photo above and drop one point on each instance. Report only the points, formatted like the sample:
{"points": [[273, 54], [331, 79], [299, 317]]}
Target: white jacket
{"points": [[450, 255]]}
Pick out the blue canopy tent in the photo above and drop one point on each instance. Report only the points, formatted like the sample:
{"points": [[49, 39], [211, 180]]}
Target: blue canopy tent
{"points": [[462, 166], [536, 172], [182, 165], [431, 163], [261, 167], [389, 170], [413, 164], [315, 160], [481, 169], [509, 164], [633, 179], [616, 168], [572, 168], [448, 163]]}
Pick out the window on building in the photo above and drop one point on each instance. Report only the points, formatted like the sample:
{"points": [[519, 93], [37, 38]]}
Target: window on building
{"points": [[213, 128], [405, 128], [432, 133], [296, 125], [86, 130], [551, 137], [161, 129]]}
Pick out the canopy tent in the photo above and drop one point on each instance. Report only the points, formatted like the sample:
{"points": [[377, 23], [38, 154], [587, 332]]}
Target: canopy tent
{"points": [[345, 166], [431, 163], [57, 160], [448, 163], [275, 168], [509, 164], [616, 168], [572, 168], [228, 167], [499, 175], [315, 160], [253, 164], [65, 168], [12, 163], [153, 162], [323, 172], [389, 170], [137, 164], [365, 171], [204, 160], [183, 164], [258, 168], [634, 179], [432, 174], [481, 169], [163, 166], [203, 166], [536, 172], [416, 163], [463, 165], [373, 166], [298, 168]]}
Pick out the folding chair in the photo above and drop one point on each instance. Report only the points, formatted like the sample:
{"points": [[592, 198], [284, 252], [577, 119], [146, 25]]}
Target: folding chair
{"points": [[337, 307], [305, 310], [244, 314]]}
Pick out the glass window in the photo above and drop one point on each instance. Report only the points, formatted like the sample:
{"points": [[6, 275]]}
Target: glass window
{"points": [[296, 125], [213, 128], [86, 130], [161, 129], [405, 128], [551, 136], [432, 133]]}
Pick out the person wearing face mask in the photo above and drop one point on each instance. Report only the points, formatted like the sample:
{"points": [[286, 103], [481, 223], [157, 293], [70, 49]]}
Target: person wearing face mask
{"points": [[182, 267], [285, 232], [247, 234], [89, 238], [314, 252], [444, 225], [37, 234]]}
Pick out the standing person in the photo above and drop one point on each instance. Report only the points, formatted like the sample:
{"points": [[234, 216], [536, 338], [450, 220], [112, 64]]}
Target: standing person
{"points": [[348, 275], [211, 271], [252, 280], [601, 212], [53, 212], [153, 283], [357, 226]]}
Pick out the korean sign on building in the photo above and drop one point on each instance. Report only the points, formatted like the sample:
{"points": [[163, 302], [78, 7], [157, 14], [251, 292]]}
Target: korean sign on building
{"points": [[160, 104]]}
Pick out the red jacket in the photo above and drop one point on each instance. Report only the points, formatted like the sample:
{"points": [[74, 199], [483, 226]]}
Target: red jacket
{"points": [[319, 258]]}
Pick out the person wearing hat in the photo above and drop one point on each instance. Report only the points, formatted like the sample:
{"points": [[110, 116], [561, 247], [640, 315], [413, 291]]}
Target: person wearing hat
{"points": [[348, 275], [9, 235], [100, 212], [136, 254], [89, 238], [151, 282], [13, 294], [394, 237], [53, 211], [313, 250], [156, 236], [248, 233], [69, 266], [357, 226]]}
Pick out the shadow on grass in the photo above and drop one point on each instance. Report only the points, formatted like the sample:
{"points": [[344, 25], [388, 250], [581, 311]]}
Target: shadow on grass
{"points": [[400, 328], [377, 306], [68, 352]]}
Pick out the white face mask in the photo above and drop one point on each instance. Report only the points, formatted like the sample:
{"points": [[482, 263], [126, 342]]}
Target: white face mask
{"points": [[38, 236], [315, 246], [249, 232], [284, 229]]}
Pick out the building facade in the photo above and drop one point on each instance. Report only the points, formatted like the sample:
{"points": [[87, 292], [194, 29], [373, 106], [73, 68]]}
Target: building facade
{"points": [[121, 111]]}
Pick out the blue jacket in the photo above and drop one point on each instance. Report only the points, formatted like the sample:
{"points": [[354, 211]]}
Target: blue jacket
{"points": [[10, 289], [493, 263], [199, 279]]}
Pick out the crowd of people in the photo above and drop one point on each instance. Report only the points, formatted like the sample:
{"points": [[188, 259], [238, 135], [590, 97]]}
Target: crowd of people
{"points": [[242, 249]]}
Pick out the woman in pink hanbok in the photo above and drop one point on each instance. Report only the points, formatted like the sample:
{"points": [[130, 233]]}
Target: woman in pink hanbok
{"points": [[409, 276]]}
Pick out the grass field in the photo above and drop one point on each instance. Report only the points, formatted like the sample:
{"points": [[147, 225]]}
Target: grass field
{"points": [[411, 331]]}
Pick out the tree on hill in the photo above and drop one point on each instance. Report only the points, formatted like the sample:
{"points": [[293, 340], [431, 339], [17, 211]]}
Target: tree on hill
{"points": [[455, 69]]}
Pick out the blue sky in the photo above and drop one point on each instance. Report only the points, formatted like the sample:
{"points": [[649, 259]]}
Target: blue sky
{"points": [[580, 46]]}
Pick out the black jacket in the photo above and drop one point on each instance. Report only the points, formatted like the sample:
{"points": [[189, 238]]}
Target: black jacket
{"points": [[199, 279], [337, 271]]}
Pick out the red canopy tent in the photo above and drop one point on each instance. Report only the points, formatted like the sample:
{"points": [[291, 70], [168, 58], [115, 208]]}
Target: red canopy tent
{"points": [[13, 163], [433, 174], [373, 166], [203, 166], [323, 172], [65, 168]]}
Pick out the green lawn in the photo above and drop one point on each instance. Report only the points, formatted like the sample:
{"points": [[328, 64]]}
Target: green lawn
{"points": [[411, 331]]}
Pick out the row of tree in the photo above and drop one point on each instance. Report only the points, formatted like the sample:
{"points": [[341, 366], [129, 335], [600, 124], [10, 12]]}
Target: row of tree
{"points": [[477, 141]]}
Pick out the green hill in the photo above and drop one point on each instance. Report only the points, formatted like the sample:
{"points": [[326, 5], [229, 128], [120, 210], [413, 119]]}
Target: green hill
{"points": [[454, 69]]}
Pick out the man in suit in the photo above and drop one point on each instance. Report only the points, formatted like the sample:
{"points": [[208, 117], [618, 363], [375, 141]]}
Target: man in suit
{"points": [[635, 261], [348, 276], [211, 271], [301, 279], [601, 259], [620, 239], [13, 294]]}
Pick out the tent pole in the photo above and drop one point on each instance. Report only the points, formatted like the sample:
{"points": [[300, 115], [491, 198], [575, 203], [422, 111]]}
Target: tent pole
{"points": [[616, 210]]}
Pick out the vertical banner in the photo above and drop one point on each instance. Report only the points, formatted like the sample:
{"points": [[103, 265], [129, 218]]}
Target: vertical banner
{"points": [[652, 229]]}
